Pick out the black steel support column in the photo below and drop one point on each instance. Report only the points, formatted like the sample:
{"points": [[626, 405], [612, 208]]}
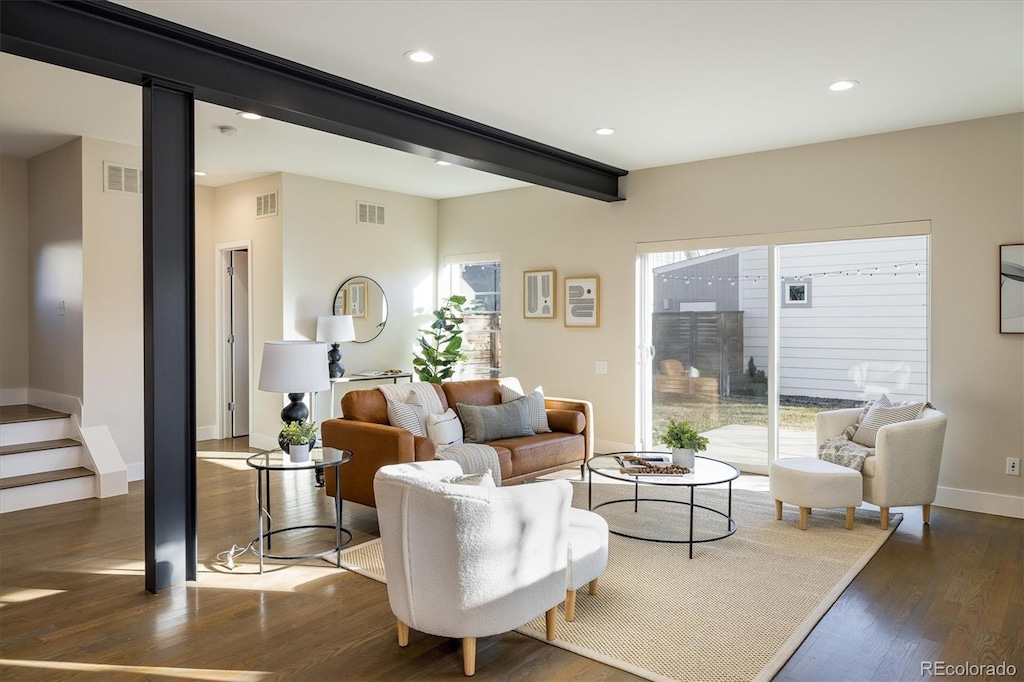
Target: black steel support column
{"points": [[168, 245]]}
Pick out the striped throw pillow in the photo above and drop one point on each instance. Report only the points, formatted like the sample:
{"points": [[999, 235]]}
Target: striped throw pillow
{"points": [[535, 403], [410, 415], [879, 416]]}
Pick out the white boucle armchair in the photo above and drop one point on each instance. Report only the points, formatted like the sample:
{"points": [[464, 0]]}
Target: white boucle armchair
{"points": [[470, 561], [904, 470]]}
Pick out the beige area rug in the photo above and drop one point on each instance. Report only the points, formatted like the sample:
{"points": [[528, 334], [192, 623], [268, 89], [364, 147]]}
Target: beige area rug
{"points": [[736, 611]]}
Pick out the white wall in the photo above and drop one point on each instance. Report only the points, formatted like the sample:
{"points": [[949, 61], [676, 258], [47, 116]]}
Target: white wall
{"points": [[14, 281], [323, 246], [234, 220], [966, 178], [206, 327], [112, 324], [55, 251]]}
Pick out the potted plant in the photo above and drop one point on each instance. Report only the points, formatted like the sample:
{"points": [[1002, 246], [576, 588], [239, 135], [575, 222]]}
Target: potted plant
{"points": [[297, 436], [441, 343], [685, 441]]}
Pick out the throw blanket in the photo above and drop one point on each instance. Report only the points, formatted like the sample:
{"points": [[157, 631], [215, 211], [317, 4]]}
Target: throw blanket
{"points": [[839, 450], [474, 458]]}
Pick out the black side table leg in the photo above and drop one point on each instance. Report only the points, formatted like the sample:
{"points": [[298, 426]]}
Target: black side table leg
{"points": [[692, 510]]}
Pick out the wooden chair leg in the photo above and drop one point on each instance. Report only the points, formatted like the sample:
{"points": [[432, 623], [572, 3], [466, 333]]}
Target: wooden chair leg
{"points": [[885, 518], [592, 587], [570, 606], [778, 510], [469, 656], [926, 513], [551, 617], [803, 517], [849, 518], [403, 634]]}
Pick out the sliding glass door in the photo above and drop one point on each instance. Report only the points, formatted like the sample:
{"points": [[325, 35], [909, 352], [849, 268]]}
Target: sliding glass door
{"points": [[749, 343]]}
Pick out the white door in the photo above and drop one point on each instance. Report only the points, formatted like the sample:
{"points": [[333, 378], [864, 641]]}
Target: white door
{"points": [[238, 342]]}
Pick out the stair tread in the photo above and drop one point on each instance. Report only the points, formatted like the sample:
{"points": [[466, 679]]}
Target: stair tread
{"points": [[13, 414], [19, 448], [44, 477]]}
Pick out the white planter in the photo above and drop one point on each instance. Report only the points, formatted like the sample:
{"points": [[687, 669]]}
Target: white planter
{"points": [[299, 453], [682, 457]]}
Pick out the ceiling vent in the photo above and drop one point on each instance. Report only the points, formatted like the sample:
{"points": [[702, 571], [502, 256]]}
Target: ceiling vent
{"points": [[370, 214], [118, 177], [266, 205]]}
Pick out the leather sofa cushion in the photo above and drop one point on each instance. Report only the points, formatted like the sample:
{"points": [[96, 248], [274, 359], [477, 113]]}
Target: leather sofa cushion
{"points": [[567, 421], [541, 451], [475, 392]]}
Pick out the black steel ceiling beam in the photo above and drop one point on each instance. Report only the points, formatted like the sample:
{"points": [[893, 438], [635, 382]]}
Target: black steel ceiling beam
{"points": [[120, 43]]}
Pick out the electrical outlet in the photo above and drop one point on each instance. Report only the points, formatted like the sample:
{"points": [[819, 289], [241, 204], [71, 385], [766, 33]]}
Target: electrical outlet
{"points": [[1013, 466], [60, 308], [601, 367]]}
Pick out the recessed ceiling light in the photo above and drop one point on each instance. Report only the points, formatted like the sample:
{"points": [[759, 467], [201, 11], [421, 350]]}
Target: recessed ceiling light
{"points": [[249, 115], [200, 174], [419, 56], [439, 162], [839, 86], [604, 131]]}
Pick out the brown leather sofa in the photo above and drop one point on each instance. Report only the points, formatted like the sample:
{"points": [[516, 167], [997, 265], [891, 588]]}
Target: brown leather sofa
{"points": [[365, 431]]}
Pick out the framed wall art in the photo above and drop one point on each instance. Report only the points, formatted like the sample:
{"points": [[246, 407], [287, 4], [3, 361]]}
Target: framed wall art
{"points": [[582, 301], [1011, 289], [539, 294], [357, 299]]}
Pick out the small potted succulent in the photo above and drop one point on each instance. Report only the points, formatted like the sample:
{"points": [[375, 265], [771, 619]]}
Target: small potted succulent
{"points": [[685, 441], [297, 435]]}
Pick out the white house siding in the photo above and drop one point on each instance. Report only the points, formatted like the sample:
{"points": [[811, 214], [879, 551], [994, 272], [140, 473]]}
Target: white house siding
{"points": [[863, 333]]}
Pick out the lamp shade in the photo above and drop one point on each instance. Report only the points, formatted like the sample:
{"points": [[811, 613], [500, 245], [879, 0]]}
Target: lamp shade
{"points": [[335, 328], [294, 367]]}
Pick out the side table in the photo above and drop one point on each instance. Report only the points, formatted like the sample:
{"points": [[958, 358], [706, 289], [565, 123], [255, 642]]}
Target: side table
{"points": [[275, 460]]}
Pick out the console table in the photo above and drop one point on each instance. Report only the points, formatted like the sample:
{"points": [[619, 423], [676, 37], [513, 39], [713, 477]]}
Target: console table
{"points": [[355, 377]]}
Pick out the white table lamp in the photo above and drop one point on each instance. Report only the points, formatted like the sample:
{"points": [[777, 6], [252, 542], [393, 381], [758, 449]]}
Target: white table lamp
{"points": [[335, 329], [295, 368]]}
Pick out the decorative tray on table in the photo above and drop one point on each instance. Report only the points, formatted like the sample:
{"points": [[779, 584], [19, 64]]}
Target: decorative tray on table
{"points": [[649, 465]]}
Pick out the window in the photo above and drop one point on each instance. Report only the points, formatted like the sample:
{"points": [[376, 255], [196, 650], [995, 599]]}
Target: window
{"points": [[480, 283]]}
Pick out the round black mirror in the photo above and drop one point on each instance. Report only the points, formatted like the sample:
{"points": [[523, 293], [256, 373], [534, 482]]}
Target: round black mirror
{"points": [[364, 300]]}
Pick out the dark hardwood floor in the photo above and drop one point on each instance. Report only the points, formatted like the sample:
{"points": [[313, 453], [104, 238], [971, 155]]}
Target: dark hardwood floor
{"points": [[72, 603]]}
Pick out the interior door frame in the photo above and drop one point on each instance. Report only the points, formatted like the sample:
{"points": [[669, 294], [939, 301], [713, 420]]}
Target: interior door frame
{"points": [[221, 252]]}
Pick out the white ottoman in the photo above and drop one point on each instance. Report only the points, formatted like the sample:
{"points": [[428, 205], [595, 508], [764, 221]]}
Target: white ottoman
{"points": [[808, 483], [588, 555]]}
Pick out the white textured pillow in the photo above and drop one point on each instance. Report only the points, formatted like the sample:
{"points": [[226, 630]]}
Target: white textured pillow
{"points": [[410, 415], [444, 429], [484, 479], [535, 403], [879, 416]]}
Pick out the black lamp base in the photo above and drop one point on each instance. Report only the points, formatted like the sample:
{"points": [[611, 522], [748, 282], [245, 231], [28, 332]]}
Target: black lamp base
{"points": [[334, 361], [295, 411]]}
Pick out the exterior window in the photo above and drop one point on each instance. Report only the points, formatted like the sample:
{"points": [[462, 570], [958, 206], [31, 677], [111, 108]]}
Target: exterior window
{"points": [[480, 283]]}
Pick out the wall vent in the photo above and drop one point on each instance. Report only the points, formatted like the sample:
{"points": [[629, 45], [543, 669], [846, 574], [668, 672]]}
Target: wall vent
{"points": [[370, 214], [117, 177], [266, 205]]}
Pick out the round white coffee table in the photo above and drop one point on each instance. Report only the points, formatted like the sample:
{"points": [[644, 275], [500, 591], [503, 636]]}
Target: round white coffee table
{"points": [[706, 471]]}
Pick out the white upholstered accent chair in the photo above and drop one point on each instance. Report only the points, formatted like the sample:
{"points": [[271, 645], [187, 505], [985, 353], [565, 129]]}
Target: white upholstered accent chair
{"points": [[904, 470], [588, 555], [470, 561]]}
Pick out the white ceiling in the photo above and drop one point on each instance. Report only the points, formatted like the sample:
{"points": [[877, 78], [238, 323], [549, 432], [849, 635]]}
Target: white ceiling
{"points": [[680, 81]]}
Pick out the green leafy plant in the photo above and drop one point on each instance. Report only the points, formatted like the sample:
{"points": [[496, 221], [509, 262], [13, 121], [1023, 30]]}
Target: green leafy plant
{"points": [[756, 375], [441, 343], [682, 435], [299, 432]]}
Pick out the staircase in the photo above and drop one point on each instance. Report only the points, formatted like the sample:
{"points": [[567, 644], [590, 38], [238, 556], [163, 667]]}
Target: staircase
{"points": [[40, 461]]}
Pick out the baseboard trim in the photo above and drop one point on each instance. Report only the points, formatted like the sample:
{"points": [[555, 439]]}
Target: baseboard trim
{"points": [[977, 501], [207, 432], [136, 471], [13, 396]]}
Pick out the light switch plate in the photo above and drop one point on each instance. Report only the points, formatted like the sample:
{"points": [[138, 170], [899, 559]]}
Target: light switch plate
{"points": [[601, 367]]}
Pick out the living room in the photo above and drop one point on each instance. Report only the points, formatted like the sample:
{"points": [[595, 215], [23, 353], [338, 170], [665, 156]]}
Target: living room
{"points": [[962, 177]]}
